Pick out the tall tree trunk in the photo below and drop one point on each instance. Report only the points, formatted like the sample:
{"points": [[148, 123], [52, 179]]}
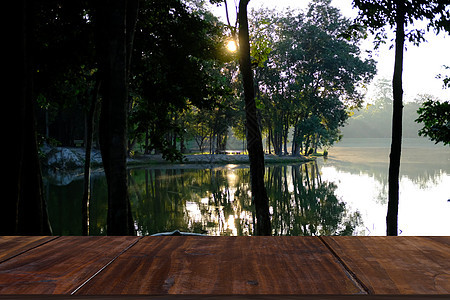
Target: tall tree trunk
{"points": [[277, 138], [295, 140], [146, 150], [113, 42], [24, 211], [254, 140], [307, 146], [396, 144], [285, 133], [131, 21], [87, 159]]}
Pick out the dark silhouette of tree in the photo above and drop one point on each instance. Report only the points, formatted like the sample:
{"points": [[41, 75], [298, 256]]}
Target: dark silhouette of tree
{"points": [[24, 211], [397, 115], [115, 21], [254, 140], [376, 14]]}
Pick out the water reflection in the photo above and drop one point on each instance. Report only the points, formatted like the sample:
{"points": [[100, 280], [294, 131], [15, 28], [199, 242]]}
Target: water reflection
{"points": [[361, 174], [215, 201], [218, 201], [64, 206], [303, 204], [345, 194]]}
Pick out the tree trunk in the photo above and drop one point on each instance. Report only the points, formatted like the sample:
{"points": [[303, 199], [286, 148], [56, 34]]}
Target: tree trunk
{"points": [[296, 140], [113, 41], [87, 160], [183, 145], [307, 145], [396, 144], [285, 133], [132, 11], [24, 211], [277, 139], [254, 140]]}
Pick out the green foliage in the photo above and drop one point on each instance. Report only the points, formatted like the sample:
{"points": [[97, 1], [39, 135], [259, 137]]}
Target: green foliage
{"points": [[435, 117], [376, 14], [261, 44], [176, 63], [445, 78], [310, 75], [64, 66]]}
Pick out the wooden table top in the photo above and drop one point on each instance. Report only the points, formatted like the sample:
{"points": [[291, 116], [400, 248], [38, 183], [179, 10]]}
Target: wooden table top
{"points": [[198, 265]]}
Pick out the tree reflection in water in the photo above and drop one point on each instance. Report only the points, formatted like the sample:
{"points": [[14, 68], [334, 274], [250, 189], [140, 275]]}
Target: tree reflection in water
{"points": [[218, 201], [215, 201], [303, 204]]}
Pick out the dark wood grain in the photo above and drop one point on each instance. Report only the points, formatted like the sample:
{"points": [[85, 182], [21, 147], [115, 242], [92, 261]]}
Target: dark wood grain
{"points": [[60, 266], [397, 265], [221, 266], [11, 246], [224, 266]]}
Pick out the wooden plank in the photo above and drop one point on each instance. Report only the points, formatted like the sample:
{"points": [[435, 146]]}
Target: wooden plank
{"points": [[225, 297], [397, 265], [11, 246], [223, 266], [60, 266]]}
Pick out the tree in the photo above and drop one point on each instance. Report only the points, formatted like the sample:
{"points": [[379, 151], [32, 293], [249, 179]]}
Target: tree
{"points": [[65, 77], [24, 211], [375, 14], [435, 117], [310, 75], [115, 21], [254, 140], [90, 120], [176, 57], [65, 68]]}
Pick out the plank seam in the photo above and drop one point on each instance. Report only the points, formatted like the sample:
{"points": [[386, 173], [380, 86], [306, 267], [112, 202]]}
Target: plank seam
{"points": [[34, 247], [351, 274], [105, 266]]}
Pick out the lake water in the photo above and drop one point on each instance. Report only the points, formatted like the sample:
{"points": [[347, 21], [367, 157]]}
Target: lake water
{"points": [[343, 194]]}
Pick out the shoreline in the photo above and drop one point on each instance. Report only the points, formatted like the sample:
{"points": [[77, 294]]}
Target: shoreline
{"points": [[62, 165], [72, 159], [213, 159]]}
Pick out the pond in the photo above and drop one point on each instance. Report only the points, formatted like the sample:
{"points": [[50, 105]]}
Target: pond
{"points": [[345, 194]]}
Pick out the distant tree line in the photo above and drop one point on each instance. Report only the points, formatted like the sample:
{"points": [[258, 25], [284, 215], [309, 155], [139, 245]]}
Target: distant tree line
{"points": [[374, 120]]}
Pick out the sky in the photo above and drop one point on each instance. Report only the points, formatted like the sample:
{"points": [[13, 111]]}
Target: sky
{"points": [[421, 63]]}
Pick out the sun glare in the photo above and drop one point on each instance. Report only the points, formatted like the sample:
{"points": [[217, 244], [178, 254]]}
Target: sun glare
{"points": [[231, 46]]}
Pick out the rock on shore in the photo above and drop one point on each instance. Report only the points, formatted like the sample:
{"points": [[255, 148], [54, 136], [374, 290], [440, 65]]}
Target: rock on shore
{"points": [[65, 158]]}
